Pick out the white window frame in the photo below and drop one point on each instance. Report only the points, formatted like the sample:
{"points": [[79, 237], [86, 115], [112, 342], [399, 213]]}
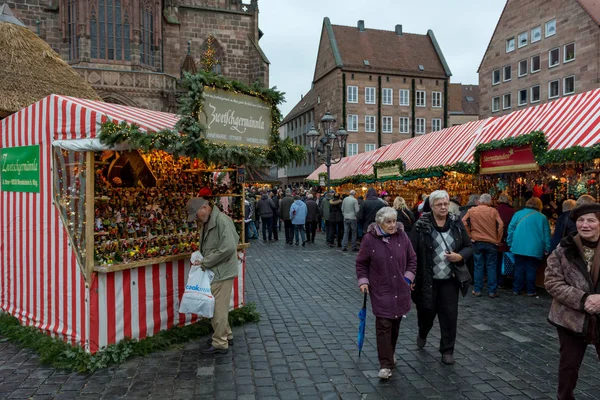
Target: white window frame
{"points": [[374, 123], [565, 53], [494, 82], [390, 96], [519, 45], [352, 127], [557, 81], [433, 99], [407, 92], [374, 95], [504, 73], [434, 122], [565, 86], [533, 40], [384, 121], [495, 109], [504, 106], [407, 125], [552, 21], [417, 131], [550, 65], [354, 146], [519, 103], [531, 63], [424, 103], [531, 101], [510, 48], [353, 89], [371, 147], [520, 72]]}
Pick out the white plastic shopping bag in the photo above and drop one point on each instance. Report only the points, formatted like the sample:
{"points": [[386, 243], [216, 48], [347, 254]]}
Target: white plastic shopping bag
{"points": [[197, 298]]}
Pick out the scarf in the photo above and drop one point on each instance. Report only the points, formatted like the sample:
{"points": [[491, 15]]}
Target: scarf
{"points": [[592, 260], [384, 236]]}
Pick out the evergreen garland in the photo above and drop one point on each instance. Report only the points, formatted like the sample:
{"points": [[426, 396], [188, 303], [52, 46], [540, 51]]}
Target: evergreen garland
{"points": [[192, 141]]}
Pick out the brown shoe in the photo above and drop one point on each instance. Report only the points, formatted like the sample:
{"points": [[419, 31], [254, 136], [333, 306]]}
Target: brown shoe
{"points": [[476, 294], [494, 295]]}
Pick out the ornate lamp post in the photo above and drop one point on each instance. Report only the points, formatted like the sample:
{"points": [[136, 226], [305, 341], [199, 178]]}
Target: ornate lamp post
{"points": [[324, 149]]}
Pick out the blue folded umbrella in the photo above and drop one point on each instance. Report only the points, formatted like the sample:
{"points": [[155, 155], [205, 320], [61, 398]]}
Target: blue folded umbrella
{"points": [[362, 316]]}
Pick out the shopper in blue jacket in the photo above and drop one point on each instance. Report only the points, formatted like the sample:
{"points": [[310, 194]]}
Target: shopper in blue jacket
{"points": [[298, 213], [529, 240]]}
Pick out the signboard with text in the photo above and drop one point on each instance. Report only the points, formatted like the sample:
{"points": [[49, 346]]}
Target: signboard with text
{"points": [[20, 171], [235, 118], [384, 172], [509, 159]]}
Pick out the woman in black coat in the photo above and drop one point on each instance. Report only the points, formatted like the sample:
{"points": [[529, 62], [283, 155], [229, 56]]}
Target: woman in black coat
{"points": [[404, 214], [335, 223]]}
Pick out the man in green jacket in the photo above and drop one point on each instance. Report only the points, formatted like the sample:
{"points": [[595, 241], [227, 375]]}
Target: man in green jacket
{"points": [[218, 245]]}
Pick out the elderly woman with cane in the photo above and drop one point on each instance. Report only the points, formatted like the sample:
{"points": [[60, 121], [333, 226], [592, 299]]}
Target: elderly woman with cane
{"points": [[571, 278], [385, 267]]}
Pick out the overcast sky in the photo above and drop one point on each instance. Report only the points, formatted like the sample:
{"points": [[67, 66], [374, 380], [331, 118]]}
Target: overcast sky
{"points": [[292, 30]]}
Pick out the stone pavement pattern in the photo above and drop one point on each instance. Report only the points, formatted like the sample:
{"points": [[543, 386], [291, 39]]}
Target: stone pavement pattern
{"points": [[305, 348]]}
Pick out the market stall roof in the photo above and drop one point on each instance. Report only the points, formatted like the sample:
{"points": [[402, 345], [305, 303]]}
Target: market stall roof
{"points": [[31, 70], [365, 167], [253, 175], [566, 122]]}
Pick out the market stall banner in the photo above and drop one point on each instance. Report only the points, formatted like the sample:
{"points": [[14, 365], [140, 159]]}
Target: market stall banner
{"points": [[510, 159], [20, 169], [236, 119], [385, 172]]}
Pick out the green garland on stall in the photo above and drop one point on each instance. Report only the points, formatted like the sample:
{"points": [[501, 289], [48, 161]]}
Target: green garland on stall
{"points": [[390, 163], [536, 139], [192, 141], [355, 179]]}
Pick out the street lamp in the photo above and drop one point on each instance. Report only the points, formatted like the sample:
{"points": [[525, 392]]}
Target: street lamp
{"points": [[323, 148]]}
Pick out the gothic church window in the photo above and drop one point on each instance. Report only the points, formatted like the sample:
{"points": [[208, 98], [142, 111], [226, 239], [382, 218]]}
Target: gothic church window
{"points": [[147, 32], [110, 30]]}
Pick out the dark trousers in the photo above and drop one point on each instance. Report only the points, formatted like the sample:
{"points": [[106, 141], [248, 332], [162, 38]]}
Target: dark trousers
{"points": [[499, 276], [335, 229], [311, 230], [525, 273], [572, 350], [274, 227], [446, 308], [387, 331], [289, 231], [267, 225]]}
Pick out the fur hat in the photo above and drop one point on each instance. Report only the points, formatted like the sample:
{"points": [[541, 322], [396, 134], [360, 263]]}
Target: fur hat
{"points": [[583, 209]]}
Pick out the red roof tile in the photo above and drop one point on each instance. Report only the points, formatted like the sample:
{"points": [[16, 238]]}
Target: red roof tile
{"points": [[308, 102], [592, 7]]}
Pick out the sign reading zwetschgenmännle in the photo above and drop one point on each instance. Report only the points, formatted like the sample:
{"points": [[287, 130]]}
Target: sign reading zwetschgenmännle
{"points": [[235, 118], [20, 169]]}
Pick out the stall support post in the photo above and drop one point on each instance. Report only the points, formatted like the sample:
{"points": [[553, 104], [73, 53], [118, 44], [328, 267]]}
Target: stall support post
{"points": [[89, 215]]}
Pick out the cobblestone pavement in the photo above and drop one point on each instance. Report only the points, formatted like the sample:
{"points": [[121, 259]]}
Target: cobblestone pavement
{"points": [[305, 347]]}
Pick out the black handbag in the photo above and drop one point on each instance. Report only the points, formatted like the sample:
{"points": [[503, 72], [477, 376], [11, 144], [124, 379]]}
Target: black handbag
{"points": [[461, 272]]}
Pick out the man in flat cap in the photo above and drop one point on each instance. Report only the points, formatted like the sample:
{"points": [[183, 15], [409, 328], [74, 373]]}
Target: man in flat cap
{"points": [[218, 245]]}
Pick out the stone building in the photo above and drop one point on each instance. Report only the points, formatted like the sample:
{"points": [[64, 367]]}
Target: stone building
{"points": [[383, 86], [463, 104], [132, 51], [541, 50]]}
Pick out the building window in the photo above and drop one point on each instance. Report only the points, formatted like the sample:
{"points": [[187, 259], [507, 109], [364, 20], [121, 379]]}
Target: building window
{"points": [[369, 146], [436, 99], [352, 149], [404, 125], [569, 85], [352, 94], [72, 16], [109, 31], [495, 77], [404, 97], [523, 39], [553, 58], [551, 28], [495, 104], [369, 123], [386, 124], [510, 44], [535, 64], [436, 124], [523, 97], [522, 68], [147, 36], [506, 101], [569, 52], [553, 89], [420, 126], [421, 98], [535, 94], [387, 96], [369, 95], [507, 73], [536, 34], [352, 123]]}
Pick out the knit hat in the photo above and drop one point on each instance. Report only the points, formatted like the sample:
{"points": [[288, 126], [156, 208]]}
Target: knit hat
{"points": [[584, 209]]}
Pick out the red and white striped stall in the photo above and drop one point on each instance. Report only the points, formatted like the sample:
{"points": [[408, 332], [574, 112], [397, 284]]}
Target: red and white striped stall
{"points": [[42, 281]]}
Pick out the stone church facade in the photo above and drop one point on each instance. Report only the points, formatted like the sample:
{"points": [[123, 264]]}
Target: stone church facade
{"points": [[132, 52]]}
